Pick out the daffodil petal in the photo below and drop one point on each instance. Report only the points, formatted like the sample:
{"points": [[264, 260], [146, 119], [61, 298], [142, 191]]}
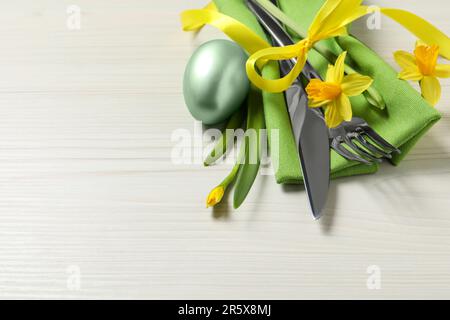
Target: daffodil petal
{"points": [[345, 107], [431, 89], [442, 71], [412, 74], [332, 116], [405, 59], [330, 73], [338, 70], [316, 104], [355, 84]]}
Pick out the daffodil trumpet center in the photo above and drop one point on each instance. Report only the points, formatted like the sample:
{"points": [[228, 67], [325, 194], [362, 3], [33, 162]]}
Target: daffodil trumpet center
{"points": [[323, 91], [426, 58]]}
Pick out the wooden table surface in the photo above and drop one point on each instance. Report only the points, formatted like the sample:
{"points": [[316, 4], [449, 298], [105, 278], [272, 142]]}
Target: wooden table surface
{"points": [[92, 206]]}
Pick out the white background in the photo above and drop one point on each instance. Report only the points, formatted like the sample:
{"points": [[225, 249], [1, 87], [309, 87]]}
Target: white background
{"points": [[92, 207]]}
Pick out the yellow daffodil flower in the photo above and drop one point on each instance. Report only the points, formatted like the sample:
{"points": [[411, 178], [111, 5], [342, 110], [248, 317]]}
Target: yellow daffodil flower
{"points": [[333, 93], [422, 66], [215, 196]]}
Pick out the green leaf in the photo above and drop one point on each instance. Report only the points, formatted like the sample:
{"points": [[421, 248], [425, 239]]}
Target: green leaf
{"points": [[248, 170], [221, 147]]}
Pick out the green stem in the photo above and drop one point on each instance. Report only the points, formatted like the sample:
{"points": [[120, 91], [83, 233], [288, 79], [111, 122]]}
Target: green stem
{"points": [[372, 95], [280, 15], [230, 178]]}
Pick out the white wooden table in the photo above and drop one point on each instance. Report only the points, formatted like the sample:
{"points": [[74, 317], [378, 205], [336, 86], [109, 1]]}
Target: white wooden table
{"points": [[91, 205]]}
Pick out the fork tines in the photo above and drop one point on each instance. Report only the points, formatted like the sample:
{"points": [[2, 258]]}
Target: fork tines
{"points": [[363, 144]]}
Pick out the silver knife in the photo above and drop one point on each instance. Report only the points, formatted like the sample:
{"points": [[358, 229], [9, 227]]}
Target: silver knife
{"points": [[308, 125]]}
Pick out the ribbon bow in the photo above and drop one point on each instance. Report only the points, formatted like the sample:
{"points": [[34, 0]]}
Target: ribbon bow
{"points": [[330, 21]]}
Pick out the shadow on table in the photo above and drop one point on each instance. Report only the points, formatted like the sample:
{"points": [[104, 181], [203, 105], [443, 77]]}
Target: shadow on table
{"points": [[396, 187], [223, 210], [327, 219]]}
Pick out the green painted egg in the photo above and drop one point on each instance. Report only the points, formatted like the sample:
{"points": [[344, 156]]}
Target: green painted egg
{"points": [[215, 82]]}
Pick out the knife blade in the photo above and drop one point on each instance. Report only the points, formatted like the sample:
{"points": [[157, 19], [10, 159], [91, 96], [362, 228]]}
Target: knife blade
{"points": [[308, 125]]}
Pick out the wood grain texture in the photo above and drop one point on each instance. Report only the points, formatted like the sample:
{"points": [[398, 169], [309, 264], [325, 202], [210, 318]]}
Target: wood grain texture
{"points": [[87, 182]]}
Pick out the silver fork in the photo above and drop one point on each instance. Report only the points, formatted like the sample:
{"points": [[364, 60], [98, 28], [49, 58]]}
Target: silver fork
{"points": [[354, 140]]}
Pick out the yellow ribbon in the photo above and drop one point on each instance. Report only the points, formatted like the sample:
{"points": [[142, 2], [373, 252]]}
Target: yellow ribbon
{"points": [[330, 21], [194, 20]]}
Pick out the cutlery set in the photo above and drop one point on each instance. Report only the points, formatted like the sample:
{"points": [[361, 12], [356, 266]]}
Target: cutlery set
{"points": [[227, 81], [354, 140]]}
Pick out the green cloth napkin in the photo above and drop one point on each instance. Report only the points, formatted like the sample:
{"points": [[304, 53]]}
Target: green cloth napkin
{"points": [[406, 118]]}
